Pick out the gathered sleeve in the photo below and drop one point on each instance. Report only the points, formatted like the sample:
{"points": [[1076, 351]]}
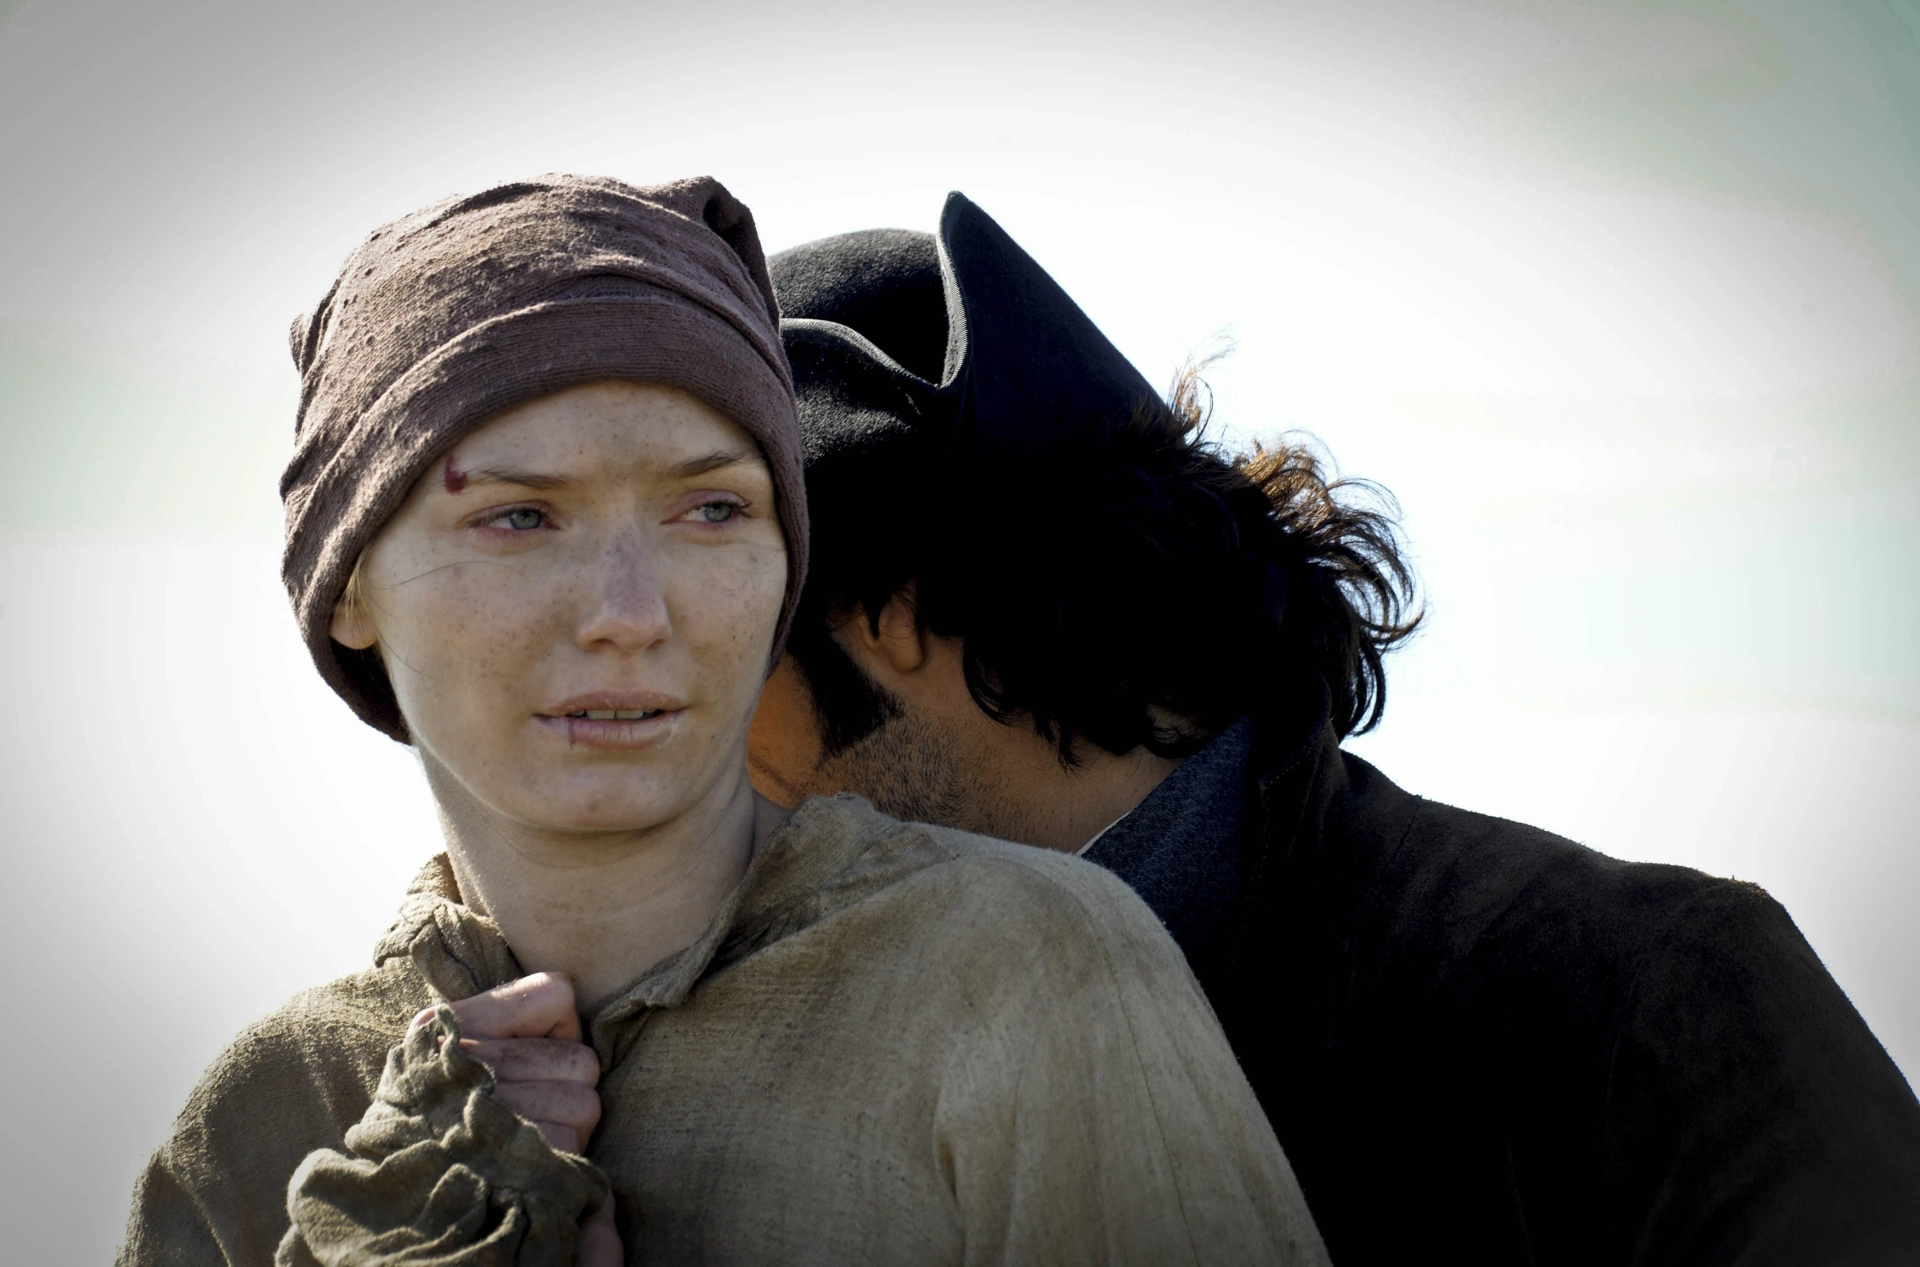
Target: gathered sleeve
{"points": [[439, 1173], [1096, 1113]]}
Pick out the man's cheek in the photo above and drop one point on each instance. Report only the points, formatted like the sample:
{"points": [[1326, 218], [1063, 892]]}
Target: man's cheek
{"points": [[783, 743]]}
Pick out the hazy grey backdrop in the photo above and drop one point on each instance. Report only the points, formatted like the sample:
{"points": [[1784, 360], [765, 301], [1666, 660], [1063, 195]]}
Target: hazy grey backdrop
{"points": [[1622, 300]]}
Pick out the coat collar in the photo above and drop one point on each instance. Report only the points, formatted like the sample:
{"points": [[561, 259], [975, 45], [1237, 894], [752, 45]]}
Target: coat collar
{"points": [[1292, 779]]}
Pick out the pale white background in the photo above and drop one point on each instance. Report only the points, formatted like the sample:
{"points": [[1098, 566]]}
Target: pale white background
{"points": [[1622, 300]]}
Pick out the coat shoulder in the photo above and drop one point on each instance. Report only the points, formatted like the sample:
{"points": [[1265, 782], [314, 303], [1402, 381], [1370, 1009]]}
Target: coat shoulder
{"points": [[1464, 884], [1563, 1054]]}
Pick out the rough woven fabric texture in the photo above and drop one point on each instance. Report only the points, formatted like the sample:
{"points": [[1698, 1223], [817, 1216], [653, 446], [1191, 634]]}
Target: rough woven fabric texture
{"points": [[445, 318], [895, 1044], [497, 1194]]}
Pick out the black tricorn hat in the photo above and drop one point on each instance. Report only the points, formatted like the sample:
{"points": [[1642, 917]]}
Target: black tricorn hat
{"points": [[957, 337]]}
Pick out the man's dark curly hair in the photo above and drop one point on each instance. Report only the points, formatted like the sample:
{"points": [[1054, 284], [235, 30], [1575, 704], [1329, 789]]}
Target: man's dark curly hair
{"points": [[1100, 590]]}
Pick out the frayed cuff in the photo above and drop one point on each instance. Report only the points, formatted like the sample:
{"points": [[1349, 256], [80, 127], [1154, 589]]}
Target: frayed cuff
{"points": [[439, 1173]]}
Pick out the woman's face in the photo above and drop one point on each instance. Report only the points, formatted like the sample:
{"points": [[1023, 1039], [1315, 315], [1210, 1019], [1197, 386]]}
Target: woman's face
{"points": [[576, 607]]}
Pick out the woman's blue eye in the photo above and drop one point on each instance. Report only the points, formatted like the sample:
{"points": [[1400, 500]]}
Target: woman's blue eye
{"points": [[718, 512], [523, 518]]}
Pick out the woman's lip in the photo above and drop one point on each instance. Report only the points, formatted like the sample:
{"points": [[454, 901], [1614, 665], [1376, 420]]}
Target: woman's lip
{"points": [[613, 734], [615, 701]]}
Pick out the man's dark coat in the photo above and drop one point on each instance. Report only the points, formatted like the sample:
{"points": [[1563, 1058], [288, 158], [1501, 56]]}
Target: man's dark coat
{"points": [[1483, 1043]]}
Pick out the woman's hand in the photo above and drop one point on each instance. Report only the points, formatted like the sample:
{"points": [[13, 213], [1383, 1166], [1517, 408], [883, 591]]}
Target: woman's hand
{"points": [[599, 1240], [528, 1033]]}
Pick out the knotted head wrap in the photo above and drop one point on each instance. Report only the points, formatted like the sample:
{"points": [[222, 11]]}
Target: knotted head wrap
{"points": [[445, 318]]}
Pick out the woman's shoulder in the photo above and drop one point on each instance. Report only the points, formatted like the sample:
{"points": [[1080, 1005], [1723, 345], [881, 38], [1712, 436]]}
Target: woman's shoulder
{"points": [[352, 1019], [315, 1058], [1047, 877], [958, 886]]}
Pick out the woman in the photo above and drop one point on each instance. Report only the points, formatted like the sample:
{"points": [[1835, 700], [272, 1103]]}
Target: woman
{"points": [[545, 524]]}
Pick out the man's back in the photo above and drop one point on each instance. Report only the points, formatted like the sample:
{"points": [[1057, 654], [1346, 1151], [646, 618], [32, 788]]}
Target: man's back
{"points": [[1475, 1035]]}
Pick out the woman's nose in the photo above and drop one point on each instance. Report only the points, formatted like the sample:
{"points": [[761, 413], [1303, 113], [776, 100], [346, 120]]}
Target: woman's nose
{"points": [[626, 609]]}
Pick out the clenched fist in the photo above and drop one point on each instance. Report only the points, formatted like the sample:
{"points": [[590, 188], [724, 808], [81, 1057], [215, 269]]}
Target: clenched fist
{"points": [[528, 1033]]}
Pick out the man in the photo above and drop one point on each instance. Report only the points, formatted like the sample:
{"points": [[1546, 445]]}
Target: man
{"points": [[1042, 608]]}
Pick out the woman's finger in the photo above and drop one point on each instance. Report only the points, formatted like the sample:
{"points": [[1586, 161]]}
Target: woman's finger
{"points": [[535, 1059], [537, 1006], [566, 1103], [600, 1239], [559, 1136]]}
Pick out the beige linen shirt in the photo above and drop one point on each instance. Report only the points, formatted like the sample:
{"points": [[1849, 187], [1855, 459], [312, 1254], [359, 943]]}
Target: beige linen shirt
{"points": [[895, 1044]]}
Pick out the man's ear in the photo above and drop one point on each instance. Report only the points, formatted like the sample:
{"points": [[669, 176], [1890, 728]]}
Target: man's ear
{"points": [[895, 640], [352, 624]]}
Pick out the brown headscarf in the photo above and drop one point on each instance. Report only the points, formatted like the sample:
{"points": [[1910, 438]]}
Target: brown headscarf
{"points": [[443, 319]]}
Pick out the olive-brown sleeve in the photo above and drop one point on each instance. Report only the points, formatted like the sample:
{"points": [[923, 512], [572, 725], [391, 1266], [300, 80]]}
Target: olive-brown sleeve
{"points": [[439, 1172], [1096, 1113], [215, 1191]]}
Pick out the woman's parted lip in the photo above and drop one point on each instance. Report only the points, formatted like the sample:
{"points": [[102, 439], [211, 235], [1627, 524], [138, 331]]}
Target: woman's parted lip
{"points": [[613, 706]]}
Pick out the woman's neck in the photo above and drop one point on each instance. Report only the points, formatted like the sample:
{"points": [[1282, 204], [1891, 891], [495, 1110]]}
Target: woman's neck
{"points": [[602, 908]]}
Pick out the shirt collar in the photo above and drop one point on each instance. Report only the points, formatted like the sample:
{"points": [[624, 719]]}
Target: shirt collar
{"points": [[460, 952]]}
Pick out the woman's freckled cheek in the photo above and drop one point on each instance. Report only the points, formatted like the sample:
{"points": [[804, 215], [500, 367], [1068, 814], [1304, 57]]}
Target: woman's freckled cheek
{"points": [[736, 603], [472, 636]]}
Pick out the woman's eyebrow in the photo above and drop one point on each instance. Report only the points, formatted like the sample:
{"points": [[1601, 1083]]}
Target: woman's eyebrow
{"points": [[457, 480], [711, 462]]}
